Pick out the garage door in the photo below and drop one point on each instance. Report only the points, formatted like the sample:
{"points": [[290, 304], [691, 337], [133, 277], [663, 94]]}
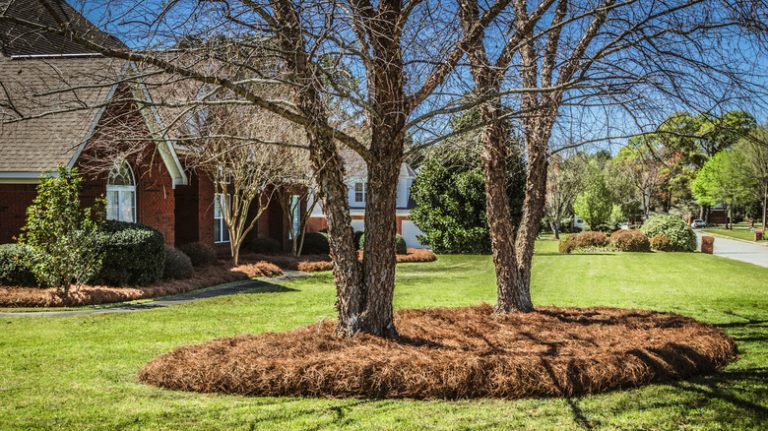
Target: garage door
{"points": [[410, 232]]}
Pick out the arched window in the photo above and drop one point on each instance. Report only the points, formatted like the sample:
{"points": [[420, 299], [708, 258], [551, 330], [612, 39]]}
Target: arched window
{"points": [[121, 194]]}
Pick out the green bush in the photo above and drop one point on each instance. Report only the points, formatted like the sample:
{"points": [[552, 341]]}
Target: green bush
{"points": [[16, 265], [265, 246], [679, 233], [315, 243], [630, 240], [134, 254], [64, 237], [400, 246], [358, 235], [583, 240], [449, 196], [662, 242], [178, 265], [200, 254]]}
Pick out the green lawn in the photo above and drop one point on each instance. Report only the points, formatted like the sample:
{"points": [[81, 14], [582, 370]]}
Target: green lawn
{"points": [[79, 372], [738, 232]]}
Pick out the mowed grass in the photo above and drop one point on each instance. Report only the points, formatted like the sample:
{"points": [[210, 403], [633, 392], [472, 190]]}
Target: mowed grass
{"points": [[79, 372], [738, 232]]}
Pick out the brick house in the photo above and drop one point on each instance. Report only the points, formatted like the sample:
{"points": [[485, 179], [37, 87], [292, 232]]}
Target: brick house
{"points": [[60, 104]]}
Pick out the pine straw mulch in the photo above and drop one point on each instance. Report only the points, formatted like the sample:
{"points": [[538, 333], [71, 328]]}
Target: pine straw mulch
{"points": [[322, 262], [13, 296], [454, 353]]}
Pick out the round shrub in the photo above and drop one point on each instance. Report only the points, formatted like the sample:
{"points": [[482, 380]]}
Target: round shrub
{"points": [[265, 246], [16, 266], [400, 246], [200, 254], [134, 254], [315, 243], [679, 233], [630, 240], [567, 243], [178, 265], [583, 240], [662, 243]]}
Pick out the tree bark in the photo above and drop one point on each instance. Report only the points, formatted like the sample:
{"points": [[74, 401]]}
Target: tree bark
{"points": [[329, 169], [386, 84]]}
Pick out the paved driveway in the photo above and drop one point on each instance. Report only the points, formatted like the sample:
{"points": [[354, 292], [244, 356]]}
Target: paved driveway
{"points": [[739, 250]]}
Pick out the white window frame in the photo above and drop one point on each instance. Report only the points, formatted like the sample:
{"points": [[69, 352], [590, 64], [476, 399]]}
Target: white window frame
{"points": [[121, 191], [360, 195], [220, 221]]}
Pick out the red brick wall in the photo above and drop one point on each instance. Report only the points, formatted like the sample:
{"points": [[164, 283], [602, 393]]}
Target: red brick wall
{"points": [[14, 200], [155, 201], [154, 185]]}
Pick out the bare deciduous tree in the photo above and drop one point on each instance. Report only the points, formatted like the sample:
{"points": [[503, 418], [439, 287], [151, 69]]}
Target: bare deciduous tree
{"points": [[562, 56]]}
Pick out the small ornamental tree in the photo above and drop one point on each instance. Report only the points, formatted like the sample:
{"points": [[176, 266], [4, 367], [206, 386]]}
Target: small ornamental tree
{"points": [[64, 237], [595, 203], [449, 193]]}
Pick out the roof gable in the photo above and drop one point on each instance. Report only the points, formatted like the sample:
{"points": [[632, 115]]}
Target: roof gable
{"points": [[19, 39]]}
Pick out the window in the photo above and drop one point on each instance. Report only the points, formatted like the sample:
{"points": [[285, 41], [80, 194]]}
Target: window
{"points": [[121, 194], [220, 232], [295, 215], [360, 192]]}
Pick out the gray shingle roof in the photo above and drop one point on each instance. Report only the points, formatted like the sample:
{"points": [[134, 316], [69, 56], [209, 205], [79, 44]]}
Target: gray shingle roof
{"points": [[48, 107], [19, 39]]}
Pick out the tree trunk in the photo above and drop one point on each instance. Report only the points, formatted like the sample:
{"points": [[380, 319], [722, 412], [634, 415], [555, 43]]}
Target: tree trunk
{"points": [[512, 292], [329, 171], [346, 270], [379, 249], [555, 226]]}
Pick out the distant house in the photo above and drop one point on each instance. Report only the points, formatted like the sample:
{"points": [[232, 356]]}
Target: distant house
{"points": [[61, 104], [356, 181]]}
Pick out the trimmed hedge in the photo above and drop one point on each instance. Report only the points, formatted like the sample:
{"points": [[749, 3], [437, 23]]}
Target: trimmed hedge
{"points": [[400, 246], [134, 254], [16, 266], [583, 240], [178, 266], [200, 254], [265, 246], [630, 240], [662, 243], [679, 233], [316, 243]]}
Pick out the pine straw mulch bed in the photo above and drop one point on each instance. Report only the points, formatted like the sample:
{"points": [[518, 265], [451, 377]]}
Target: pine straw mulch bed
{"points": [[13, 296], [322, 262], [454, 353]]}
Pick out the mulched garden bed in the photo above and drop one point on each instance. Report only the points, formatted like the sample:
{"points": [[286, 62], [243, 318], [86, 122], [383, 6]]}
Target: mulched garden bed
{"points": [[454, 353], [13, 296], [322, 262]]}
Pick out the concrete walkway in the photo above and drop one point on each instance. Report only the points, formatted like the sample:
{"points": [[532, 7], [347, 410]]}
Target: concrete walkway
{"points": [[267, 284], [744, 251]]}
